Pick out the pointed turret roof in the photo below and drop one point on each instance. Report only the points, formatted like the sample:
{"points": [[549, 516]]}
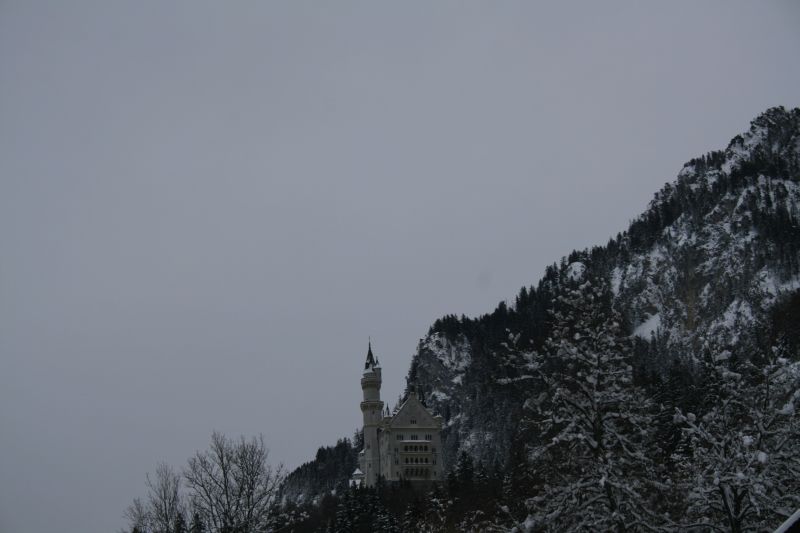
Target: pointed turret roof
{"points": [[370, 358]]}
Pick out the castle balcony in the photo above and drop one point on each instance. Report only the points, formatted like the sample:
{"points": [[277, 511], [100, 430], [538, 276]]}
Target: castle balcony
{"points": [[415, 447], [414, 437], [418, 473]]}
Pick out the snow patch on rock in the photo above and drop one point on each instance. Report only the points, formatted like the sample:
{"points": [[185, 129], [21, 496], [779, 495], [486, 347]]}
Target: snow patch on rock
{"points": [[648, 327], [576, 271]]}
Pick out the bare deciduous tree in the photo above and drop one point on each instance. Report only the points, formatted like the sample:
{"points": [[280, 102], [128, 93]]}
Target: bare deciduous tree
{"points": [[164, 498], [159, 513], [232, 486], [137, 515]]}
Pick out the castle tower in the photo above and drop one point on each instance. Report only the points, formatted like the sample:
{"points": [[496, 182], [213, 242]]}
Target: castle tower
{"points": [[372, 409]]}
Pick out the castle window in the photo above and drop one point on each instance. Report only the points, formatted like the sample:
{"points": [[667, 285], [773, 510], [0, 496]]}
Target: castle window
{"points": [[426, 460], [405, 448], [426, 448], [434, 462], [429, 437], [413, 420], [414, 437], [399, 437]]}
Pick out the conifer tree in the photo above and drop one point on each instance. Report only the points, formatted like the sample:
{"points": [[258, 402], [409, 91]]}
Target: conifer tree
{"points": [[744, 471], [384, 521], [595, 424], [438, 507], [412, 517], [465, 470]]}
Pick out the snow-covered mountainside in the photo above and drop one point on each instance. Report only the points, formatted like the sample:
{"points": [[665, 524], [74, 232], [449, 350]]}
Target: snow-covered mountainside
{"points": [[649, 384], [699, 272]]}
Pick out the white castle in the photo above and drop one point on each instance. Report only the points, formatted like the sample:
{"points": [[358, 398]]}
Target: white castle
{"points": [[406, 445]]}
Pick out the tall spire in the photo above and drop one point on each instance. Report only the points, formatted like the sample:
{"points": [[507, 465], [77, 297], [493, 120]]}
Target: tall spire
{"points": [[370, 358]]}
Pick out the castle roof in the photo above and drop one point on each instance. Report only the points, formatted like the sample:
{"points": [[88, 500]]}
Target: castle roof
{"points": [[371, 360], [413, 408]]}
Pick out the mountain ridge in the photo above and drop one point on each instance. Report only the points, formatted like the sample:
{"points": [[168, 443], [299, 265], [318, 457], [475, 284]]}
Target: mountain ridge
{"points": [[730, 215]]}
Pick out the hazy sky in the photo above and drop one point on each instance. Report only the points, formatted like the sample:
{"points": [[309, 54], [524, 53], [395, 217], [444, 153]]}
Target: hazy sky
{"points": [[206, 208]]}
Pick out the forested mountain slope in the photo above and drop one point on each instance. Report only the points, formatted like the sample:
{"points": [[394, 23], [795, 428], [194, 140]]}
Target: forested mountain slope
{"points": [[648, 383], [697, 272]]}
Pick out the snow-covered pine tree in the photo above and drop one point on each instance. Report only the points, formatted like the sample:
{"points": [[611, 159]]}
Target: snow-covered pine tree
{"points": [[412, 517], [745, 469], [345, 518], [384, 521], [437, 510], [595, 425]]}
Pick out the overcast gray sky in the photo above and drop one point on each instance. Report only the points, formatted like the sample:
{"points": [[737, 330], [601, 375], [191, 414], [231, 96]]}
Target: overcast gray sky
{"points": [[206, 208]]}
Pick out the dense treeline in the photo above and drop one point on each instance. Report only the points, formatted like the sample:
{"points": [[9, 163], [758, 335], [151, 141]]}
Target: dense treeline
{"points": [[331, 465], [470, 499]]}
